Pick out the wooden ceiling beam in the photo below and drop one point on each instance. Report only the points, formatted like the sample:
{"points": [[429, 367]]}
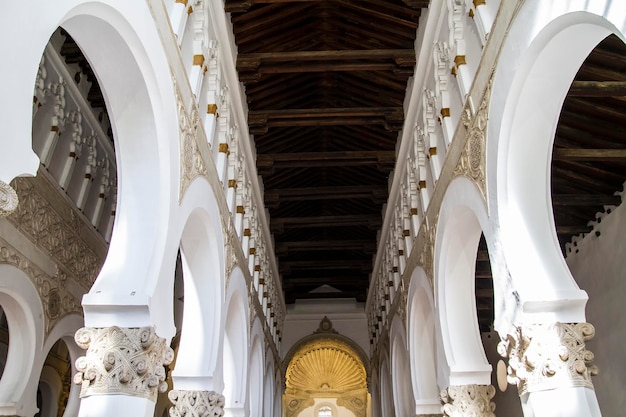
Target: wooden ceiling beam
{"points": [[573, 230], [571, 154], [585, 200], [365, 265], [284, 248], [278, 224], [325, 159], [290, 283], [598, 89], [375, 192], [260, 121], [291, 296]]}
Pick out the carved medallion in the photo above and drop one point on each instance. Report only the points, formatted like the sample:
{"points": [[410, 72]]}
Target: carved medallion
{"points": [[468, 400], [8, 199], [196, 403]]}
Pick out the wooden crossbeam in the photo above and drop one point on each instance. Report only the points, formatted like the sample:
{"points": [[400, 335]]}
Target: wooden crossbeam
{"points": [[242, 6], [326, 159], [290, 283], [377, 193], [582, 200], [573, 230], [278, 224], [260, 121], [367, 246], [360, 264], [598, 89], [253, 66], [576, 154]]}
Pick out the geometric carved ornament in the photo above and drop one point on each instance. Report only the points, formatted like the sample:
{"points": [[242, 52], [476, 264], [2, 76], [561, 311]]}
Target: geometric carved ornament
{"points": [[127, 361]]}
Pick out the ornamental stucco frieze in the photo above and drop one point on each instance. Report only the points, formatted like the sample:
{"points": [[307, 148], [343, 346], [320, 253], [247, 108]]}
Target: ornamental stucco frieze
{"points": [[58, 235], [468, 400], [472, 161], [57, 302], [549, 356], [127, 361], [191, 161], [196, 403]]}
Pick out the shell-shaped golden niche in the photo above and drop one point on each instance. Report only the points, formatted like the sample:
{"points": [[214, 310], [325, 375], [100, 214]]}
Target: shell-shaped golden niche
{"points": [[326, 365]]}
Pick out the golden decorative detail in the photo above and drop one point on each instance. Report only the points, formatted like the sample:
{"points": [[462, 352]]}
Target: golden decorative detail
{"points": [[182, 1], [422, 184], [445, 112], [246, 232], [459, 60], [413, 211], [232, 183], [223, 147], [198, 59], [471, 13], [549, 356], [241, 210], [325, 365], [252, 251], [191, 164], [479, 3], [211, 109], [472, 162], [432, 151], [8, 199]]}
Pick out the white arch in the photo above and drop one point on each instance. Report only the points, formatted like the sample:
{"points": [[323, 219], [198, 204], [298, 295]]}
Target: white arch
{"points": [[403, 398], [385, 387], [257, 365], [269, 390], [138, 104], [201, 250], [422, 344], [236, 341], [22, 307], [461, 218], [64, 330], [535, 69], [51, 387]]}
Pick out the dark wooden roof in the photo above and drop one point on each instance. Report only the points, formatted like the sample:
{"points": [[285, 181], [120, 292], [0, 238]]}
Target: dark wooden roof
{"points": [[325, 82]]}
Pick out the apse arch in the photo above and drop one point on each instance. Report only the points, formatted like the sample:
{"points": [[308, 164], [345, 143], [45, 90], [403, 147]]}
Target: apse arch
{"points": [[462, 219], [403, 397], [422, 343], [533, 75], [200, 249]]}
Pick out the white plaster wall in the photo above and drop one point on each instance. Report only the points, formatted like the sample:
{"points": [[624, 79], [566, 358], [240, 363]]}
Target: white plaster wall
{"points": [[347, 317], [598, 268]]}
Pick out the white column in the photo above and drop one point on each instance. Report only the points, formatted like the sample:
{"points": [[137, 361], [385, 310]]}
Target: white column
{"points": [[122, 372], [552, 369]]}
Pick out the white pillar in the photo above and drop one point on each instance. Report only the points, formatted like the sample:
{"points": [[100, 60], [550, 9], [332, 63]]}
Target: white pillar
{"points": [[122, 372], [552, 369]]}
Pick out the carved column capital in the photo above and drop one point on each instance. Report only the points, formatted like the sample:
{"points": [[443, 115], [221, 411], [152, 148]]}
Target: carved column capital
{"points": [[127, 361], [549, 356], [468, 400], [196, 403], [8, 199]]}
